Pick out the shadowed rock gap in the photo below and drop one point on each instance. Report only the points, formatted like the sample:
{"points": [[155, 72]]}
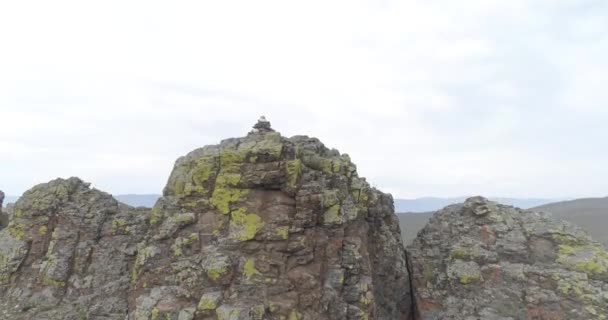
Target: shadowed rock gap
{"points": [[413, 308]]}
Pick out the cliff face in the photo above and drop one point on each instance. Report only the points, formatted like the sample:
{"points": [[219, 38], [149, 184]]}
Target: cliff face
{"points": [[482, 260], [260, 227]]}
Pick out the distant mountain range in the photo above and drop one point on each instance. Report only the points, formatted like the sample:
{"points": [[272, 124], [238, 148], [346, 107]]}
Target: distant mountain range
{"points": [[135, 200]]}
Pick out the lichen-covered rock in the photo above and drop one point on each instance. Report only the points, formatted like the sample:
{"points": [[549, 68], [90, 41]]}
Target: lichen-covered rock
{"points": [[259, 227], [3, 215], [66, 254], [266, 227], [482, 260]]}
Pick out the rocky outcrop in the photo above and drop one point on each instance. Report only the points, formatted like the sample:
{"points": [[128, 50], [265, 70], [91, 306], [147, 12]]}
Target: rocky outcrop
{"points": [[268, 227], [482, 260], [66, 254], [265, 227], [3, 215], [259, 227]]}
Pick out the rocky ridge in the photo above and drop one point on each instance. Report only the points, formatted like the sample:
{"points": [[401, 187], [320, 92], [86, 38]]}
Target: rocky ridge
{"points": [[259, 227], [268, 227]]}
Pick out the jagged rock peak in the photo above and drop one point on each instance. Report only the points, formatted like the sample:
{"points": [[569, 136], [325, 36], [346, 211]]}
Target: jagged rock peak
{"points": [[483, 260], [286, 230], [1, 199], [259, 227]]}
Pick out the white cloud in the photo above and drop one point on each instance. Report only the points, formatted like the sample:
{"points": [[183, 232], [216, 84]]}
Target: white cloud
{"points": [[428, 97]]}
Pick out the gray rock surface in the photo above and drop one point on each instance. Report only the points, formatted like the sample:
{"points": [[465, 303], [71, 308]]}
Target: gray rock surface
{"points": [[268, 227], [259, 227], [3, 215], [66, 254], [264, 227], [483, 260]]}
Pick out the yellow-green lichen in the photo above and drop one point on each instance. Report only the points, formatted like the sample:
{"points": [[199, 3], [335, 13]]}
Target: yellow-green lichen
{"points": [[228, 179], [119, 225], [587, 258], [593, 266], [294, 315], [231, 161], [180, 243], [283, 232], [566, 239], [366, 299], [575, 286], [16, 230], [227, 314], [155, 313], [332, 215], [249, 269], [466, 279], [566, 250], [43, 230], [207, 304], [18, 213], [155, 215], [244, 226], [52, 282], [142, 258], [183, 218], [461, 254], [294, 171], [326, 166], [201, 173], [216, 273], [223, 197]]}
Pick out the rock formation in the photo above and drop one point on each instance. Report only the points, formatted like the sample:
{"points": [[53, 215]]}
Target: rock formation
{"points": [[268, 227], [264, 227], [259, 227], [3, 216], [67, 253], [482, 260]]}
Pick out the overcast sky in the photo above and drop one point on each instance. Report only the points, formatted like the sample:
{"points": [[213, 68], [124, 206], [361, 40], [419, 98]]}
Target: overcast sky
{"points": [[430, 98]]}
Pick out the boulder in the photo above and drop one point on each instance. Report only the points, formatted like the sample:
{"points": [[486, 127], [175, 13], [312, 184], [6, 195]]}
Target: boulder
{"points": [[483, 260]]}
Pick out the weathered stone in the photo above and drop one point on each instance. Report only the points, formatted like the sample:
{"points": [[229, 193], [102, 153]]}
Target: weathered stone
{"points": [[61, 257], [259, 227], [3, 215], [482, 260]]}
